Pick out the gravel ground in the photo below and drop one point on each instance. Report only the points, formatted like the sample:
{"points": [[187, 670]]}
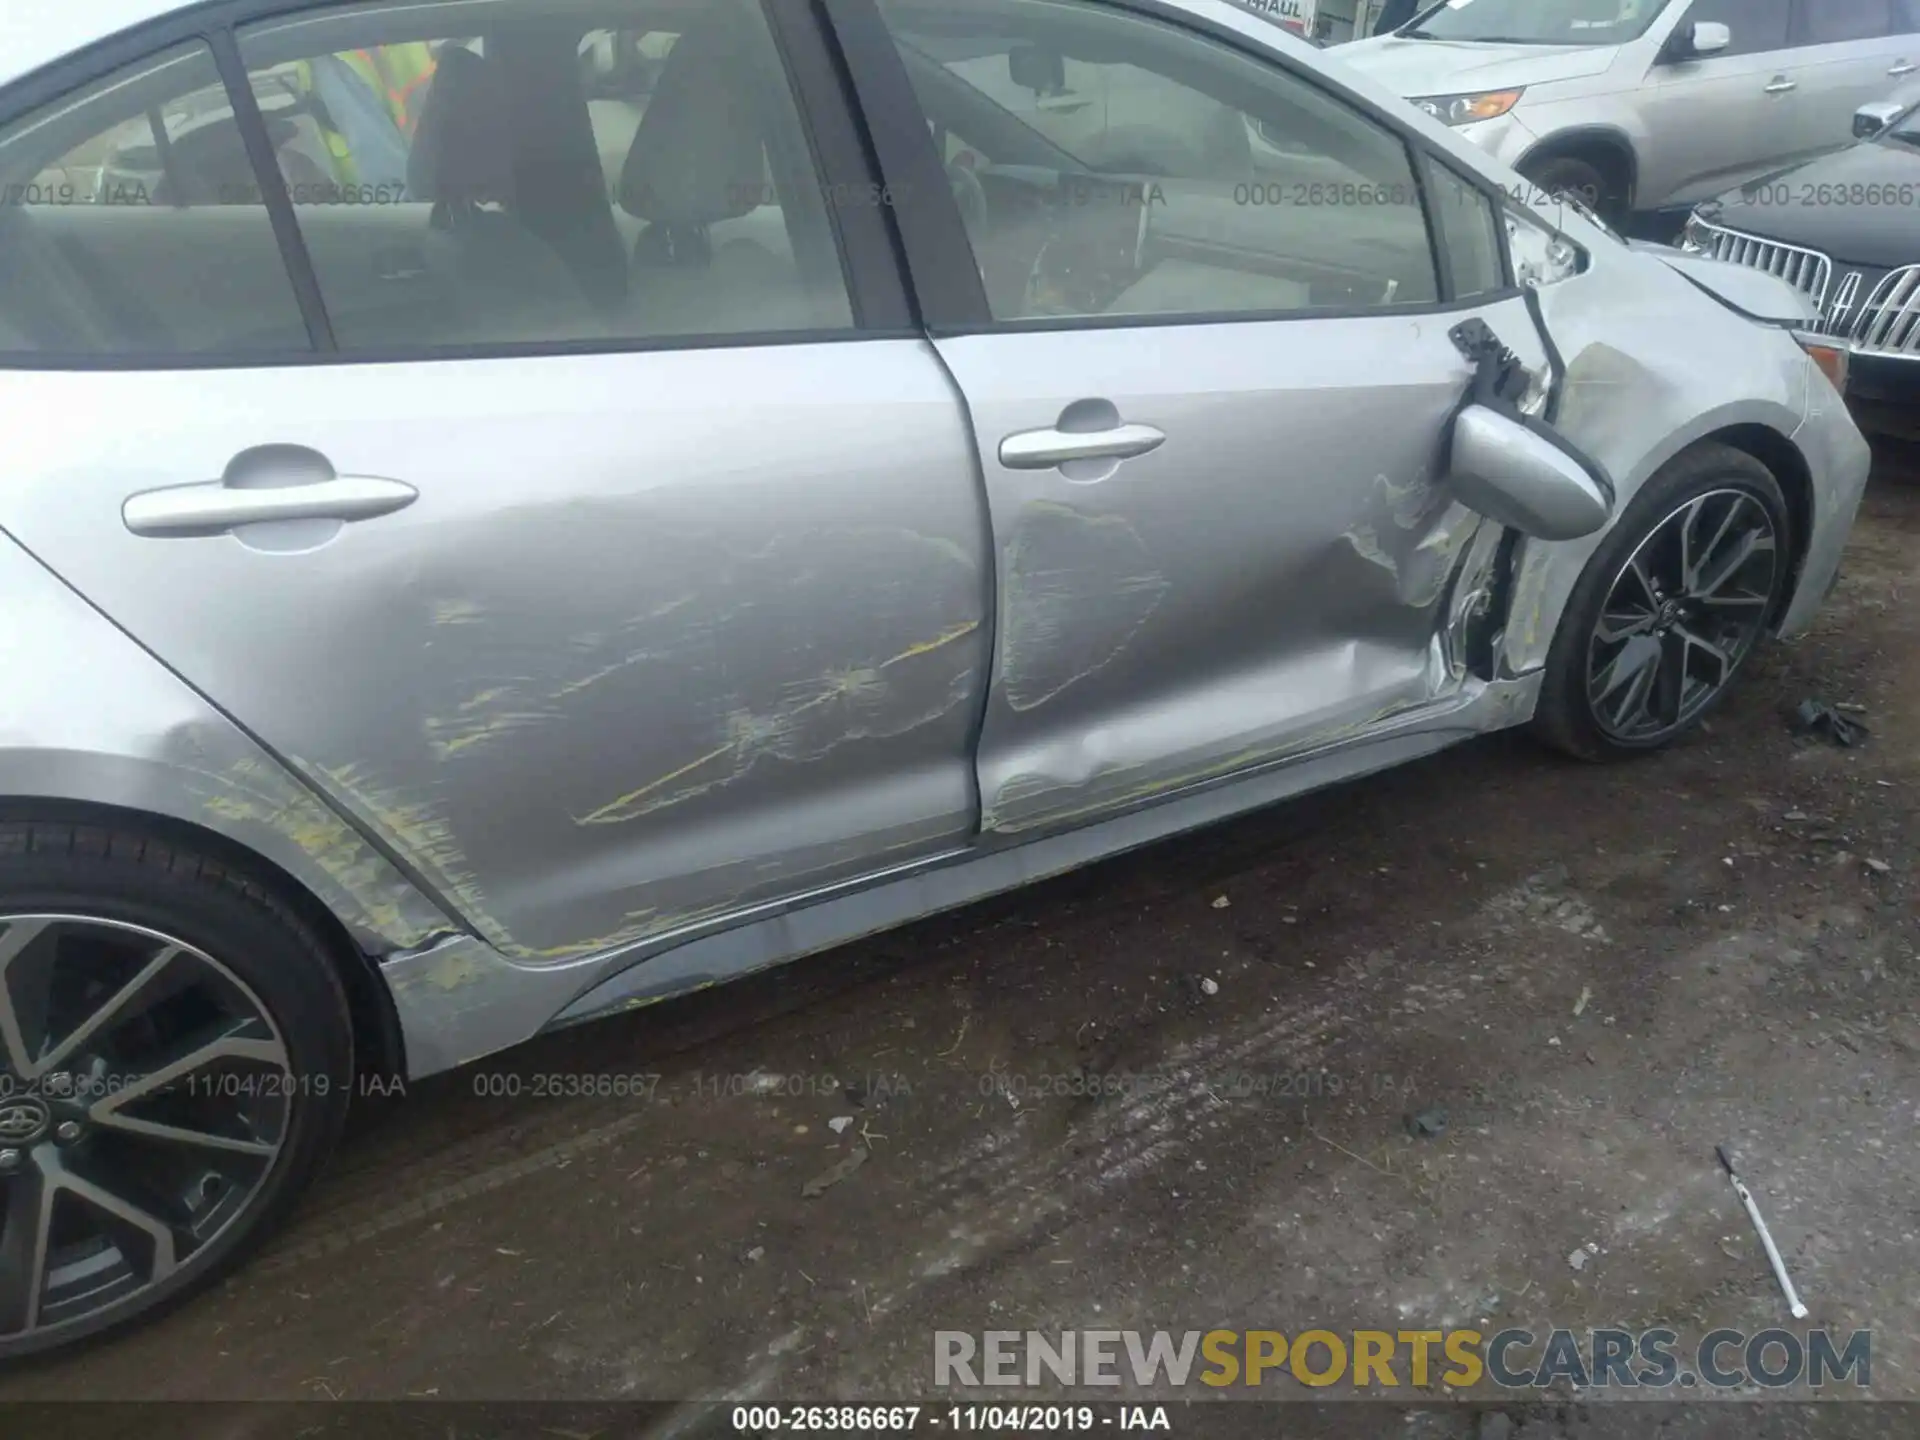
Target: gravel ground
{"points": [[1596, 973]]}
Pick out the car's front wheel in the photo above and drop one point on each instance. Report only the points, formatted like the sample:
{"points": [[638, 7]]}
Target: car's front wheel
{"points": [[175, 1064], [1669, 609]]}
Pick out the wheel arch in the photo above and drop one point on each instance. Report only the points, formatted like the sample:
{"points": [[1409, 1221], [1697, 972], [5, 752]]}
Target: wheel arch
{"points": [[1789, 467], [378, 1043], [1601, 144], [1545, 573]]}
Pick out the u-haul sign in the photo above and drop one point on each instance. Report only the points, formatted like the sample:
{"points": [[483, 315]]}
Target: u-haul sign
{"points": [[1296, 15]]}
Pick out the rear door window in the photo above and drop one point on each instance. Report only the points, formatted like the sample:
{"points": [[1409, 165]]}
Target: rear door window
{"points": [[131, 223]]}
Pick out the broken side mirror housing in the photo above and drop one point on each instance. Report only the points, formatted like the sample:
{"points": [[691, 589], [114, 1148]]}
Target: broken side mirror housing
{"points": [[1518, 478]]}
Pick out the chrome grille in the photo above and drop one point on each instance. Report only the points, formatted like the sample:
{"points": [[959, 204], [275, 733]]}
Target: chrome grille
{"points": [[1889, 321], [1808, 271]]}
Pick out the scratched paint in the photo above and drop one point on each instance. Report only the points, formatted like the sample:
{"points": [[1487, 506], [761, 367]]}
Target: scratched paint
{"points": [[846, 704], [1077, 588], [425, 838], [364, 889], [746, 660]]}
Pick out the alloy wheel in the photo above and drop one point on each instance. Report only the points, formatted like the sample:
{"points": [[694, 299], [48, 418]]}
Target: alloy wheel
{"points": [[145, 1095], [1680, 616]]}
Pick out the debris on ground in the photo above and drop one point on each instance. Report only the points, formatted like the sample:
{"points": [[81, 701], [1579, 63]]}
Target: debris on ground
{"points": [[1220, 902], [1580, 1005], [839, 1123], [1815, 717], [1427, 1124], [834, 1174], [1878, 867], [1581, 1254], [1209, 985], [1794, 1305]]}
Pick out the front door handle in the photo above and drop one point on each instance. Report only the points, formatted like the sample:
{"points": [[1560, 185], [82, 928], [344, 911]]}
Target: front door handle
{"points": [[1905, 67], [216, 506], [1044, 449], [1779, 85]]}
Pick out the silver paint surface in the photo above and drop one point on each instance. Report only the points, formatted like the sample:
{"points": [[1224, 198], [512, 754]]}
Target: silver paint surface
{"points": [[1271, 575], [664, 636], [1654, 365], [87, 715], [465, 1001], [1512, 475], [674, 669]]}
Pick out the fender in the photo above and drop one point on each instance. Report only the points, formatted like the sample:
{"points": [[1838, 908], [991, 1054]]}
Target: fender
{"points": [[88, 716]]}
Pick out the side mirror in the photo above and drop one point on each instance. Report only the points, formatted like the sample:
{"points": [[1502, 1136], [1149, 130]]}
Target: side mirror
{"points": [[1040, 70], [1870, 119], [1511, 475], [1699, 39]]}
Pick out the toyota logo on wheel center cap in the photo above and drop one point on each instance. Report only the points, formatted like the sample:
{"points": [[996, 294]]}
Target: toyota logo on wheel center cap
{"points": [[23, 1118]]}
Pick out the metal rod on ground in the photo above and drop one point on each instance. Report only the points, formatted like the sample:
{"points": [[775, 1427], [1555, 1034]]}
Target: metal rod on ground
{"points": [[1773, 1251]]}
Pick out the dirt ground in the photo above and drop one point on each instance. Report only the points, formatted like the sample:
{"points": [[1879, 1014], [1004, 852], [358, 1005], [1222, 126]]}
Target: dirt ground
{"points": [[1598, 974]]}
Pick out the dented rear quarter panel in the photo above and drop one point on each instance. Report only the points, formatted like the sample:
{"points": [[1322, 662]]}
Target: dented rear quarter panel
{"points": [[88, 716]]}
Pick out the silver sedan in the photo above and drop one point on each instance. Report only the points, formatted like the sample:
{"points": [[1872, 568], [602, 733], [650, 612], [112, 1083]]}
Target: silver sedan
{"points": [[515, 512]]}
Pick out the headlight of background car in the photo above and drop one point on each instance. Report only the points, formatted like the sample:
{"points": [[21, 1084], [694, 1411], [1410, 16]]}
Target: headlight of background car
{"points": [[1465, 109], [1541, 256]]}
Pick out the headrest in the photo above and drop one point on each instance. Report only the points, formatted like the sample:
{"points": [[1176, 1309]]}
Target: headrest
{"points": [[463, 148], [699, 155]]}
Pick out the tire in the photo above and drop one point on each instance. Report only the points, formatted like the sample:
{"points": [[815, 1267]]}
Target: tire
{"points": [[159, 954], [1587, 690], [1563, 173]]}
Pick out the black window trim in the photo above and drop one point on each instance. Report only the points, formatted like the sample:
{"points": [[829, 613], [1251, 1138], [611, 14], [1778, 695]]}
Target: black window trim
{"points": [[953, 300], [1800, 36], [881, 301], [1431, 163]]}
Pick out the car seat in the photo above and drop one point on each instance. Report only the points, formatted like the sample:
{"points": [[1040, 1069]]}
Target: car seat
{"points": [[699, 159], [506, 282]]}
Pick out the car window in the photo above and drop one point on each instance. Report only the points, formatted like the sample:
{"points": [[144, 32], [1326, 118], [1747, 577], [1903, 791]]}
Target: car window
{"points": [[1756, 26], [1906, 17], [1540, 22], [1833, 22], [130, 223], [1469, 221], [1109, 164], [521, 173]]}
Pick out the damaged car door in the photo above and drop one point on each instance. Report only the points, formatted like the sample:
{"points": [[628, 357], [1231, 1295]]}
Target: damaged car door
{"points": [[626, 587], [1211, 397]]}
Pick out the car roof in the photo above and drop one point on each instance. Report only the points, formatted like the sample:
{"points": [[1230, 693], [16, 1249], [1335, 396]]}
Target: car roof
{"points": [[37, 32]]}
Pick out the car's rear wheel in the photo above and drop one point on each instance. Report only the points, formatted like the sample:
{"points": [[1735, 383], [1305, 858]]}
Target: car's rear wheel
{"points": [[1669, 609], [175, 1064]]}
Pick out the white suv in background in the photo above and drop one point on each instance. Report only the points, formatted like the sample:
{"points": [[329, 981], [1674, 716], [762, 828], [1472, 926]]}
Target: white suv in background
{"points": [[1640, 105]]}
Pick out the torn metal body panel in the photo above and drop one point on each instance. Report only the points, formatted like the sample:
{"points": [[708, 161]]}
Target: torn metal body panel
{"points": [[91, 717], [623, 666], [1274, 576], [1650, 371]]}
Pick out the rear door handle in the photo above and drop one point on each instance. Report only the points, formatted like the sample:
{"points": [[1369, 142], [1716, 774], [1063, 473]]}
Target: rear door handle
{"points": [[1044, 449], [1905, 67], [1779, 85], [215, 507]]}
